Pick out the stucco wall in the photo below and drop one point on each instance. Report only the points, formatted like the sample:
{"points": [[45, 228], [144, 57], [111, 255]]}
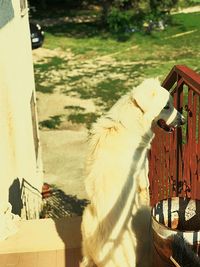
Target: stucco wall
{"points": [[18, 164]]}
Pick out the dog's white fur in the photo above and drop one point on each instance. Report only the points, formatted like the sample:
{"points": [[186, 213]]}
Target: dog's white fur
{"points": [[116, 223]]}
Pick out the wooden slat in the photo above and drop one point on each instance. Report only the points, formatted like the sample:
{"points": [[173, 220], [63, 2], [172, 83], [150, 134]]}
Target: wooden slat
{"points": [[179, 106], [194, 146], [47, 258], [29, 259], [60, 258], [12, 259], [3, 259], [54, 258]]}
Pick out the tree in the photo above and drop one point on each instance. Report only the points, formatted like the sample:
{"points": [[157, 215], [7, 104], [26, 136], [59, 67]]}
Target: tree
{"points": [[119, 15], [44, 4], [157, 6]]}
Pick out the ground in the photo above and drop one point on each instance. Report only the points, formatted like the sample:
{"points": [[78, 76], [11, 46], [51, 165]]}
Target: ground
{"points": [[63, 158], [78, 78], [63, 149]]}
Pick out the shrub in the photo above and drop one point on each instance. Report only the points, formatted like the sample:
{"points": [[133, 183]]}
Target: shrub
{"points": [[125, 16], [119, 21]]}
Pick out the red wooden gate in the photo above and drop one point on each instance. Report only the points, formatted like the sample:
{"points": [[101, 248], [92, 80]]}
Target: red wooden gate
{"points": [[174, 159]]}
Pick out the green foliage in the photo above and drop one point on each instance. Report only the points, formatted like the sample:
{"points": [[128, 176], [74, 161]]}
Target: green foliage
{"points": [[158, 6], [42, 70], [119, 21], [123, 15], [45, 4]]}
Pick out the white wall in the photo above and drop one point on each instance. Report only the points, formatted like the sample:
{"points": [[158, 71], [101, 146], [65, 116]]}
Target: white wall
{"points": [[17, 150]]}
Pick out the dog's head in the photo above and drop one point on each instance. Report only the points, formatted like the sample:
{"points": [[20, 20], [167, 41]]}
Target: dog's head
{"points": [[169, 117], [157, 105]]}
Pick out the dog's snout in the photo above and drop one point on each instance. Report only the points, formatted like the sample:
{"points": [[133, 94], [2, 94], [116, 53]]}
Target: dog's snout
{"points": [[182, 120]]}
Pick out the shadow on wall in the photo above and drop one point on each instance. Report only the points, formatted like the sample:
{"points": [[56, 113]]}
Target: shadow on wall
{"points": [[6, 12], [15, 197], [56, 205], [25, 199]]}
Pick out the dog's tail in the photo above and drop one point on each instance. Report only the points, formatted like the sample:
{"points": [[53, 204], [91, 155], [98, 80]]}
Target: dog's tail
{"points": [[182, 253]]}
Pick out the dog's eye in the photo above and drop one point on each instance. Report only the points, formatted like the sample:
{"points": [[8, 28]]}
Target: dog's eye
{"points": [[167, 106]]}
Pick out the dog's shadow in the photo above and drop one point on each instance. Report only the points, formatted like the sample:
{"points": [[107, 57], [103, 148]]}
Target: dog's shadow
{"points": [[141, 226]]}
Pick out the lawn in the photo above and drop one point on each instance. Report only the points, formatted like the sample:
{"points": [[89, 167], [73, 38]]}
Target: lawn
{"points": [[90, 64]]}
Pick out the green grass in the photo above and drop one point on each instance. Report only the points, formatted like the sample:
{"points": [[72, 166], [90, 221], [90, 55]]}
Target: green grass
{"points": [[83, 118], [53, 123], [42, 70], [82, 38], [75, 108], [102, 68]]}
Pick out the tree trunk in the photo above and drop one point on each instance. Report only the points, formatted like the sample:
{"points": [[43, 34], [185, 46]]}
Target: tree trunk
{"points": [[43, 4], [105, 9]]}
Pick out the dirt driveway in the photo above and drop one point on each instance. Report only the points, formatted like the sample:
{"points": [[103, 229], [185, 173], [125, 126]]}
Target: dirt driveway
{"points": [[64, 149], [63, 158]]}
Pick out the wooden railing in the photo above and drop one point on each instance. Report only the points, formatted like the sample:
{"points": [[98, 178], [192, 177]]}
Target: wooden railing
{"points": [[31, 201], [174, 159]]}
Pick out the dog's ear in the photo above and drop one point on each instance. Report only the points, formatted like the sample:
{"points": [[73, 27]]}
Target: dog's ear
{"points": [[145, 93], [150, 97]]}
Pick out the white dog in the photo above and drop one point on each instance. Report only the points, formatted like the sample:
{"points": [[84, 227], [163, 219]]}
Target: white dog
{"points": [[116, 223]]}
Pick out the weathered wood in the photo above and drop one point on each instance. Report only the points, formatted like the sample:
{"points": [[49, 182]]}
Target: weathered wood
{"points": [[174, 159]]}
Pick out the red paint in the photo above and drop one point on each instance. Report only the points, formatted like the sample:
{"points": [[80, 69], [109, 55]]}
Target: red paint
{"points": [[174, 165]]}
